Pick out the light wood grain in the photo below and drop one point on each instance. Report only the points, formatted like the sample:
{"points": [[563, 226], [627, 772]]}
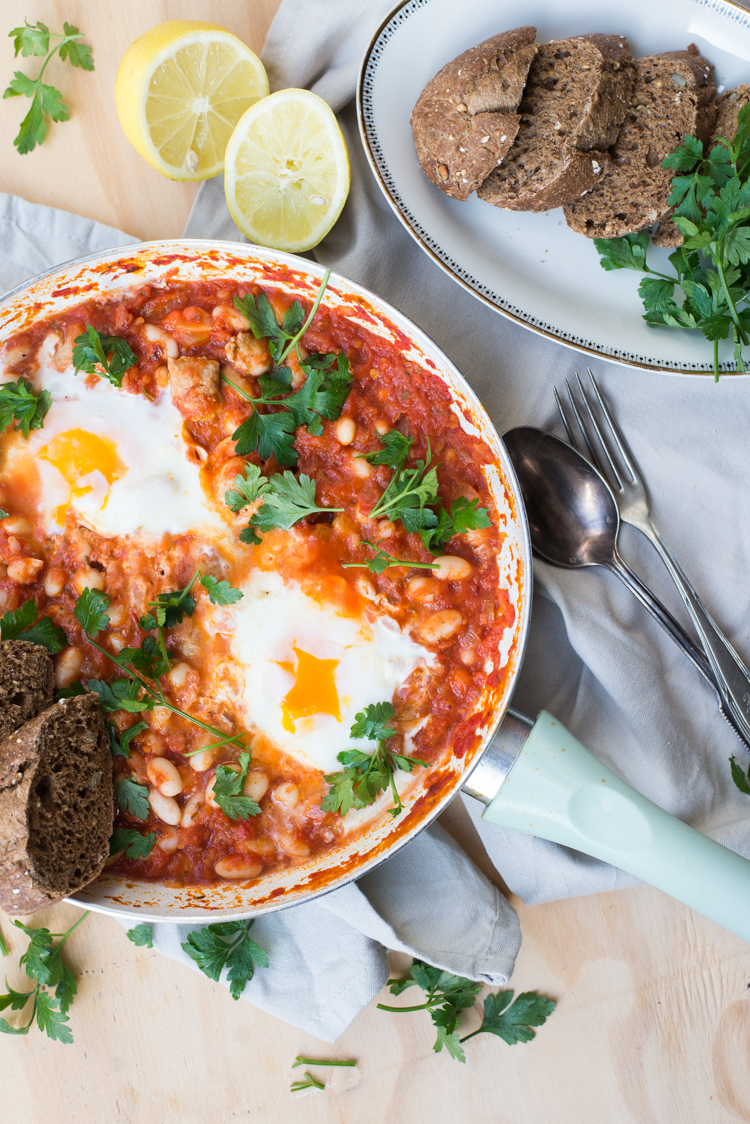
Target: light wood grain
{"points": [[653, 1022]]}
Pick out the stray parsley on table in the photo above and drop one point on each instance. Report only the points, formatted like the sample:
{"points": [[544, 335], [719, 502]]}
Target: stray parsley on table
{"points": [[226, 945]]}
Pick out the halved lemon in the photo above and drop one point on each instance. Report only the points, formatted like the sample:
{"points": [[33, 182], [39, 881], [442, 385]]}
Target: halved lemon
{"points": [[180, 90], [286, 173]]}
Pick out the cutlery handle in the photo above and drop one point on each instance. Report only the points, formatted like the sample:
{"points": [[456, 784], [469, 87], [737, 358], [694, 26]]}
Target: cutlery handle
{"points": [[556, 789], [664, 617], [730, 673]]}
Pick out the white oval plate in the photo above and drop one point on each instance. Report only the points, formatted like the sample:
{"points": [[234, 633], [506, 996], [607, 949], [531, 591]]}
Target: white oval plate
{"points": [[531, 267]]}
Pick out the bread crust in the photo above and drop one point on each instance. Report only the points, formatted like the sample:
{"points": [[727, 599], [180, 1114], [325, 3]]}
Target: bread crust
{"points": [[465, 119], [576, 97], [56, 805], [673, 97]]}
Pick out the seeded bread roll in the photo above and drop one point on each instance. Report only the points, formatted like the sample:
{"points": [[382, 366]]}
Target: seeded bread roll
{"points": [[465, 120], [672, 98], [56, 805], [26, 683], [576, 98]]}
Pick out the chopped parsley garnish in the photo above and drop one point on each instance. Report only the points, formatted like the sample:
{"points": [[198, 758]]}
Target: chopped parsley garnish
{"points": [[366, 775], [120, 744], [33, 39], [227, 792], [449, 995], [19, 404], [326, 387], [141, 935], [220, 592], [42, 962], [26, 624], [412, 494], [133, 798], [383, 561], [108, 356], [130, 840], [711, 197], [226, 945], [285, 499]]}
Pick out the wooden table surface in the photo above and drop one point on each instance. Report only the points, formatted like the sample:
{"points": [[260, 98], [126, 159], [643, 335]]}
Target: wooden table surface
{"points": [[653, 1017]]}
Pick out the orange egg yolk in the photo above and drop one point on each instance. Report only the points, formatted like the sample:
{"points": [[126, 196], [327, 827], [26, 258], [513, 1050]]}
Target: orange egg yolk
{"points": [[314, 691], [77, 453]]}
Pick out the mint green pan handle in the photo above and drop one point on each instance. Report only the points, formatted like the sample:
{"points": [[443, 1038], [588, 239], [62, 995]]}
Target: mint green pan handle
{"points": [[558, 790]]}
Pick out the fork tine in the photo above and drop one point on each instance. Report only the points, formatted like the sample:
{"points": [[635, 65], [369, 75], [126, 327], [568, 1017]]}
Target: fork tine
{"points": [[564, 417], [620, 441], [599, 434], [589, 452]]}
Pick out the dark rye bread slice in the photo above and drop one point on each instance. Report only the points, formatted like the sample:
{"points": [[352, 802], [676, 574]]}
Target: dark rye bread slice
{"points": [[672, 98], [465, 119], [26, 683], [56, 805], [576, 97], [728, 107]]}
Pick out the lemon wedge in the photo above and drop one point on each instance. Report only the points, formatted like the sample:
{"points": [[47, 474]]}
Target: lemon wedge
{"points": [[286, 173], [180, 90]]}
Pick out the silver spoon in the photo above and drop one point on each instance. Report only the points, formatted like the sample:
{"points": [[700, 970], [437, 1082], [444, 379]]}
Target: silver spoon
{"points": [[574, 522]]}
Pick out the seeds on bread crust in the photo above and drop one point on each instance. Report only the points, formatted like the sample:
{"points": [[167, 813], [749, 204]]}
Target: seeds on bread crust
{"points": [[56, 805], [576, 97], [465, 119], [672, 98]]}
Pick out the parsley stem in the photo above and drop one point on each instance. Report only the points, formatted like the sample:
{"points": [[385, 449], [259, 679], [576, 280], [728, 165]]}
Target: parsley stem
{"points": [[468, 1036], [716, 360], [64, 936], [3, 946], [295, 339], [717, 256], [299, 1060], [242, 393], [310, 1083], [420, 1007]]}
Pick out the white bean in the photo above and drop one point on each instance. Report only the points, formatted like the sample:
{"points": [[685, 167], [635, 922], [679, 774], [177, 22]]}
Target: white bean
{"points": [[165, 807], [165, 775], [23, 570], [88, 578], [292, 844], [360, 467], [286, 794], [422, 588], [203, 760], [441, 625], [167, 839], [452, 568], [68, 666], [238, 866], [157, 335], [346, 430], [54, 582], [256, 785], [178, 676], [16, 525], [382, 427], [160, 717], [191, 809]]}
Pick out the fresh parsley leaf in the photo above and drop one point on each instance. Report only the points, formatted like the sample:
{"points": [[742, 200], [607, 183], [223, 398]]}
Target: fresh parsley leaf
{"points": [[395, 451], [372, 722], [26, 624], [171, 608], [512, 1021], [739, 778], [228, 791], [45, 100], [247, 489], [133, 798], [90, 611], [16, 1000], [51, 1020], [220, 592], [43, 963], [121, 694], [148, 659], [20, 404], [66, 989], [135, 845], [286, 500], [262, 319], [463, 516], [270, 435], [226, 945], [120, 746], [141, 935], [97, 354]]}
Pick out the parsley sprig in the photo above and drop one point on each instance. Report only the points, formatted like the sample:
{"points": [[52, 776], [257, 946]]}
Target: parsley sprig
{"points": [[19, 404], [284, 500], [448, 995], [26, 624], [141, 935], [711, 197], [383, 561], [132, 842], [43, 964], [228, 791], [226, 945], [34, 39], [97, 354], [366, 775], [412, 494], [327, 383]]}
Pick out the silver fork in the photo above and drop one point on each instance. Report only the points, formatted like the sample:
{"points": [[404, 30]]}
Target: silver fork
{"points": [[731, 675]]}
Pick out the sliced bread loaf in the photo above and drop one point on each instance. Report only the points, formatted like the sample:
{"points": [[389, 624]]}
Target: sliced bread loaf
{"points": [[672, 98], [576, 97], [728, 107], [26, 683], [465, 120], [56, 805]]}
